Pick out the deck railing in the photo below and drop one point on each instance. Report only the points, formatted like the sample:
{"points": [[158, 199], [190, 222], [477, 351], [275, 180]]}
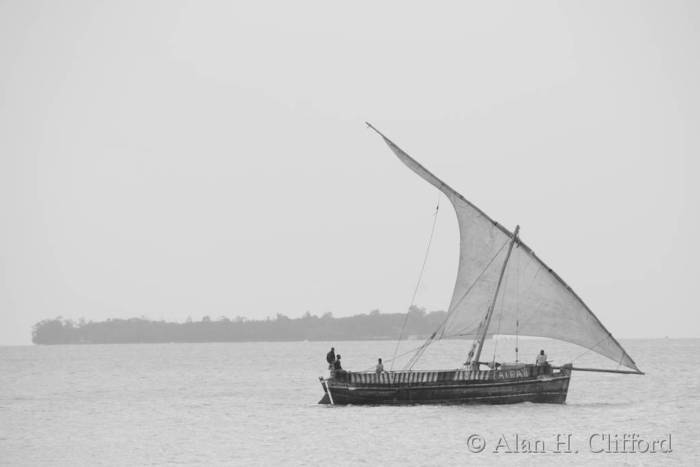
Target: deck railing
{"points": [[407, 377]]}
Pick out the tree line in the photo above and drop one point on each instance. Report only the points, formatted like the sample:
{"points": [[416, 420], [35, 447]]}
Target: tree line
{"points": [[373, 325]]}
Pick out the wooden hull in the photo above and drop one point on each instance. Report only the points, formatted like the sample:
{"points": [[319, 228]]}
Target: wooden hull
{"points": [[529, 384]]}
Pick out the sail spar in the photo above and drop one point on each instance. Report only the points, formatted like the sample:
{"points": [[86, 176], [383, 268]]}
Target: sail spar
{"points": [[535, 300]]}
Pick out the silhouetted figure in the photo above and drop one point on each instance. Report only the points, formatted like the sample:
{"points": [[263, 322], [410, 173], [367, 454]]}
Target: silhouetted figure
{"points": [[380, 367], [541, 359], [330, 358], [336, 364]]}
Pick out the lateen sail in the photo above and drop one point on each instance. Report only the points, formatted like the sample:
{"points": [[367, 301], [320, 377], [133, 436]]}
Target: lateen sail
{"points": [[533, 296]]}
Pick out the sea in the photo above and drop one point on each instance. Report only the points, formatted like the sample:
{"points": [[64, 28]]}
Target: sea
{"points": [[257, 404]]}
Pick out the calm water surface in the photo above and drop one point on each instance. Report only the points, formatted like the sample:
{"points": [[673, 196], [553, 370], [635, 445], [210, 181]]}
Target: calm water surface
{"points": [[255, 404]]}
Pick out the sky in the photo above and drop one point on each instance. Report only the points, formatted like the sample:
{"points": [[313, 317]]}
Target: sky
{"points": [[185, 159]]}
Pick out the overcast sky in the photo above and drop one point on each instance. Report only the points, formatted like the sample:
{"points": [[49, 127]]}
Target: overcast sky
{"points": [[174, 159]]}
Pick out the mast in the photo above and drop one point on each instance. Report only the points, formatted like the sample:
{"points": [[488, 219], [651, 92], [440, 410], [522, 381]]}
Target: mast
{"points": [[489, 313]]}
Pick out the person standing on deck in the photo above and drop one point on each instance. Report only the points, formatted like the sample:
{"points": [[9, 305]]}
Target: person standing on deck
{"points": [[330, 358], [541, 359], [380, 367]]}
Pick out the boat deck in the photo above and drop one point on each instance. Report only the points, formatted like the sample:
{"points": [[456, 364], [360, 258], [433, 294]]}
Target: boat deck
{"points": [[437, 376]]}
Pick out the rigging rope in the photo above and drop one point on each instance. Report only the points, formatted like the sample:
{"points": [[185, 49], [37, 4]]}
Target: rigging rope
{"points": [[471, 286], [588, 350], [420, 277], [369, 368], [443, 325], [462, 332]]}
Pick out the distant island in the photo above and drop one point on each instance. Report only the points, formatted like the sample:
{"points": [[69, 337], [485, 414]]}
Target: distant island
{"points": [[373, 325]]}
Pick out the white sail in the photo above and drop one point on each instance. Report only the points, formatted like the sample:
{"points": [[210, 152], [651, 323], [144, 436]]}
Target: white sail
{"points": [[533, 298]]}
